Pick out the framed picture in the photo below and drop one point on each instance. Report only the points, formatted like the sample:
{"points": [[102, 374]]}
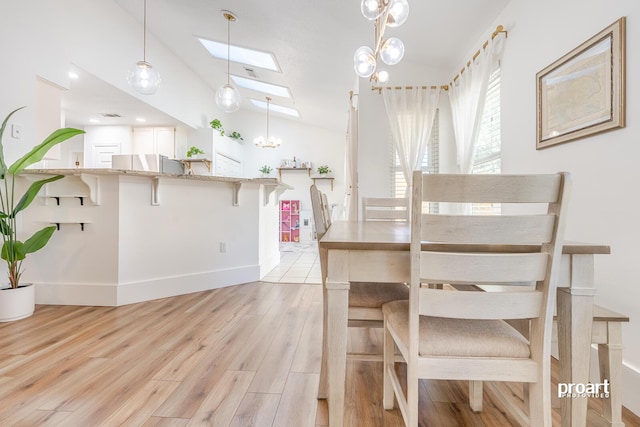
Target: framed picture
{"points": [[583, 93]]}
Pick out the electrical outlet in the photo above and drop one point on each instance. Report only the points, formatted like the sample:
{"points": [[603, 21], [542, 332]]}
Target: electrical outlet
{"points": [[223, 247], [16, 131]]}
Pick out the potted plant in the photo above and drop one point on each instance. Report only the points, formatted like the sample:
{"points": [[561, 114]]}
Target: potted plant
{"points": [[324, 170], [17, 300], [266, 170], [194, 152], [217, 125]]}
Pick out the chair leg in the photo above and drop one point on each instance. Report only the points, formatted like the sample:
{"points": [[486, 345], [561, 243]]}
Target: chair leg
{"points": [[610, 361], [412, 396], [540, 401], [475, 395], [389, 350]]}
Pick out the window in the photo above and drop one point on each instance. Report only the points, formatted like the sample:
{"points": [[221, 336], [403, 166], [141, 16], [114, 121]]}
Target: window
{"points": [[487, 157], [488, 149], [430, 161]]}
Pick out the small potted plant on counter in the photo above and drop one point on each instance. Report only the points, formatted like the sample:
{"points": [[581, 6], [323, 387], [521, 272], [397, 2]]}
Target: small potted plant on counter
{"points": [[194, 152], [266, 170], [17, 300]]}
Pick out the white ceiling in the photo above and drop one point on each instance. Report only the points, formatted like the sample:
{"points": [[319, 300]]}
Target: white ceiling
{"points": [[313, 42]]}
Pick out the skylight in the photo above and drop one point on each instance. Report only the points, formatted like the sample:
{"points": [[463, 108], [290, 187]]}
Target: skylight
{"points": [[242, 55], [277, 108], [261, 86]]}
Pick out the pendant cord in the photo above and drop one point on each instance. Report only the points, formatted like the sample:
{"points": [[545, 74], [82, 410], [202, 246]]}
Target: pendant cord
{"points": [[268, 99], [228, 47], [144, 33]]}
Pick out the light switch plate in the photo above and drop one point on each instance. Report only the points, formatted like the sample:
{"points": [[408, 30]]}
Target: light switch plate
{"points": [[16, 131]]}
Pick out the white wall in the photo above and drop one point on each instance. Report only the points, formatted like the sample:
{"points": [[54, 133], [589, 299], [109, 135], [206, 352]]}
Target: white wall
{"points": [[605, 203]]}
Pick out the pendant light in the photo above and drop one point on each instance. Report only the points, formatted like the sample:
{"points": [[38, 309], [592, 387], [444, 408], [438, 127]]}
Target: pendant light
{"points": [[385, 13], [144, 78], [269, 141], [227, 97]]}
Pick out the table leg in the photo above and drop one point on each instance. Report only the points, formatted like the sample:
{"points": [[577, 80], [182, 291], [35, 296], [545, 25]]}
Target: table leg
{"points": [[575, 317], [337, 285], [323, 387]]}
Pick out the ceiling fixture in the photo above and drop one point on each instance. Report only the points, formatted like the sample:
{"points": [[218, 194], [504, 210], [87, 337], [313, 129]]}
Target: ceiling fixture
{"points": [[144, 78], [269, 141], [227, 97], [386, 13]]}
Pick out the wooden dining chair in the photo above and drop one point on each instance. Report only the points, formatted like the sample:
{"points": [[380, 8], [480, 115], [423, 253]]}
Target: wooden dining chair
{"points": [[385, 208], [365, 299], [450, 334]]}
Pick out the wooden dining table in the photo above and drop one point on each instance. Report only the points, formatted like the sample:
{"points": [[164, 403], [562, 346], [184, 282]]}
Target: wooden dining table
{"points": [[378, 251]]}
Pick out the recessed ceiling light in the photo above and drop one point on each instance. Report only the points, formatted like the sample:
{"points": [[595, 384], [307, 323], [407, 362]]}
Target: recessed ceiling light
{"points": [[260, 86], [242, 55], [140, 119], [94, 121], [276, 108], [73, 75]]}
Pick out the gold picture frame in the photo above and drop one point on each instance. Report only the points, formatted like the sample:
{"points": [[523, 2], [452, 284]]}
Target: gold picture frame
{"points": [[583, 93]]}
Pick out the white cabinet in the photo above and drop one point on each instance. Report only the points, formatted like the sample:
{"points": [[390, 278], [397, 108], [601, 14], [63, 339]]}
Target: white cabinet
{"points": [[154, 140]]}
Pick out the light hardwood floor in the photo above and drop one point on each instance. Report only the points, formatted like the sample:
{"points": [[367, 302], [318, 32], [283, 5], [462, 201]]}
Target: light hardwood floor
{"points": [[241, 356]]}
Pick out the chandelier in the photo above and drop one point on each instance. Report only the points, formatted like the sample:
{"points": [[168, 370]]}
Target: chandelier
{"points": [[269, 141], [385, 13], [227, 97], [144, 78]]}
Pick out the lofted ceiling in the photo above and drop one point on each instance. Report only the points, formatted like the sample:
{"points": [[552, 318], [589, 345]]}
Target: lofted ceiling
{"points": [[313, 42]]}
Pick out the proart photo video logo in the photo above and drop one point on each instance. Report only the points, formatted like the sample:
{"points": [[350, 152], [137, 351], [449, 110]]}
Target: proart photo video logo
{"points": [[572, 391]]}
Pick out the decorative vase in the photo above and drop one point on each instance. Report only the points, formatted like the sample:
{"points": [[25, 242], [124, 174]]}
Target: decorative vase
{"points": [[17, 303]]}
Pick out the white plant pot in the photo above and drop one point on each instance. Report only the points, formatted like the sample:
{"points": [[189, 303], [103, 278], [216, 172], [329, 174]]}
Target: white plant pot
{"points": [[17, 303]]}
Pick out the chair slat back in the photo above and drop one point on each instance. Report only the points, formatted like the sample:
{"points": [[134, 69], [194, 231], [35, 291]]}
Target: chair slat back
{"points": [[497, 257], [385, 208], [318, 212]]}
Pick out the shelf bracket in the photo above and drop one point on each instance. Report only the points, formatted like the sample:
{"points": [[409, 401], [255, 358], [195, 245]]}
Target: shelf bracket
{"points": [[155, 191], [236, 190], [93, 183], [268, 189]]}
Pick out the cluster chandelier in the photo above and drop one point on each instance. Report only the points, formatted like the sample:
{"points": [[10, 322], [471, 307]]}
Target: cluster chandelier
{"points": [[269, 141], [385, 13], [227, 97], [144, 78]]}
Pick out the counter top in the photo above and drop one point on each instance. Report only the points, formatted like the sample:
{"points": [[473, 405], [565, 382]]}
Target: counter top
{"points": [[150, 174]]}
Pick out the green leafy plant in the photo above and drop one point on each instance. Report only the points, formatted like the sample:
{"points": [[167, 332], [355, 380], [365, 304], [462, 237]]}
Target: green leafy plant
{"points": [[265, 169], [215, 124], [13, 250], [194, 151], [324, 169], [236, 135]]}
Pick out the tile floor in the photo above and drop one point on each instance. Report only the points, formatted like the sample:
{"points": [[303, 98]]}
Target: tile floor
{"points": [[299, 263]]}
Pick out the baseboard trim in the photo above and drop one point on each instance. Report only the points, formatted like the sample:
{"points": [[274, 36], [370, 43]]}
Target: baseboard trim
{"points": [[140, 291]]}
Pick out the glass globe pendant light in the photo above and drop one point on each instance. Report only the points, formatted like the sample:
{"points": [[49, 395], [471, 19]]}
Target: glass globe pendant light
{"points": [[364, 62], [398, 13], [392, 51], [228, 98], [144, 78], [371, 9]]}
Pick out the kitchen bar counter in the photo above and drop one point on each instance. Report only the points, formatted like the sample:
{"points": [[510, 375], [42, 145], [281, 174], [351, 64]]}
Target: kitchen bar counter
{"points": [[129, 236]]}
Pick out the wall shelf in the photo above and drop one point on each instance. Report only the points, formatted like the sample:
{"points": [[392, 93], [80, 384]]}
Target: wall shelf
{"points": [[81, 223], [330, 178], [293, 169]]}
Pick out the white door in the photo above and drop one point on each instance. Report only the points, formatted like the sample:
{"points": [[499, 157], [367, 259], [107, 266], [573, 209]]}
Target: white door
{"points": [[165, 141], [102, 154]]}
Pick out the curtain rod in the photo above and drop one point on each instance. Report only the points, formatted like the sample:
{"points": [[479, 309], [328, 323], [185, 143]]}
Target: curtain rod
{"points": [[379, 88], [499, 29]]}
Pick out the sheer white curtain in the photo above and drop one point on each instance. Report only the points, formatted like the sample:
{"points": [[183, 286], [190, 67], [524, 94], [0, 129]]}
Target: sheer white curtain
{"points": [[351, 162], [467, 96], [410, 113]]}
